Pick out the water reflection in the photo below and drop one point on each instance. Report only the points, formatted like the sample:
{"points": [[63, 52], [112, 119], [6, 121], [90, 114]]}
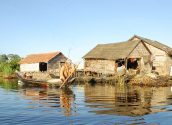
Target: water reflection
{"points": [[50, 98], [94, 100], [9, 84], [127, 100], [66, 99]]}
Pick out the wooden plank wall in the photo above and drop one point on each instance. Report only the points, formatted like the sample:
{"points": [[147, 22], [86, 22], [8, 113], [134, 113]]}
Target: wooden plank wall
{"points": [[100, 66]]}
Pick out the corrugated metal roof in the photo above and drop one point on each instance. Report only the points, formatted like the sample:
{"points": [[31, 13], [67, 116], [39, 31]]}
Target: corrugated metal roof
{"points": [[36, 58]]}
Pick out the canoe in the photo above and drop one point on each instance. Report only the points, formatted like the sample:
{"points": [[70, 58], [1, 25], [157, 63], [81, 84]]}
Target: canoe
{"points": [[30, 81], [34, 82]]}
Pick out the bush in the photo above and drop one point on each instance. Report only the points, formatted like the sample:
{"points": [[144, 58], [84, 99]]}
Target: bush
{"points": [[14, 65], [7, 70], [10, 65]]}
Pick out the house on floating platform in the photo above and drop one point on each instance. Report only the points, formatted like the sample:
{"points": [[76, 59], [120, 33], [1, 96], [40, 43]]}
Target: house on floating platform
{"points": [[137, 53], [49, 62]]}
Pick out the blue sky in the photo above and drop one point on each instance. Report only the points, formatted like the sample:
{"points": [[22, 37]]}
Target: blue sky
{"points": [[76, 26]]}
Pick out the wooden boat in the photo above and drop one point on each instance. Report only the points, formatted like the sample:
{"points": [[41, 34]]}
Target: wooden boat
{"points": [[66, 76], [28, 81], [34, 82]]}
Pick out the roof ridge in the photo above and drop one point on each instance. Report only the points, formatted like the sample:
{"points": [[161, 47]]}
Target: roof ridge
{"points": [[155, 43], [112, 50], [113, 43], [146, 38], [41, 57], [45, 53]]}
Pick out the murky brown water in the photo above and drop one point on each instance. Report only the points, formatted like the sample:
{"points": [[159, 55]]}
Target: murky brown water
{"points": [[84, 104]]}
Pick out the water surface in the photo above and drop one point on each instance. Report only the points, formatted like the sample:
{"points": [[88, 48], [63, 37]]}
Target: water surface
{"points": [[84, 104]]}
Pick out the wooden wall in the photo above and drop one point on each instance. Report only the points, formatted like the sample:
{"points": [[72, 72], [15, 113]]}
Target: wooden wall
{"points": [[161, 60], [169, 64], [100, 66], [33, 67], [139, 51], [54, 64], [144, 55]]}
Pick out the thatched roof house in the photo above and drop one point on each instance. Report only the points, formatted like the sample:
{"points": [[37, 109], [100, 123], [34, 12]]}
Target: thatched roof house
{"points": [[42, 62], [106, 58], [137, 53]]}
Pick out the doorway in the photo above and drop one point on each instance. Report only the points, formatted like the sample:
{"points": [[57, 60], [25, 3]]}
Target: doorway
{"points": [[132, 63], [42, 66]]}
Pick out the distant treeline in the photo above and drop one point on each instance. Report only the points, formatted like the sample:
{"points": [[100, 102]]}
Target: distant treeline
{"points": [[9, 64]]}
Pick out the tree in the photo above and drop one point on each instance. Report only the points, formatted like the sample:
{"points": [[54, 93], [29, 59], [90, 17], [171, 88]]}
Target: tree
{"points": [[13, 61], [3, 58], [13, 57]]}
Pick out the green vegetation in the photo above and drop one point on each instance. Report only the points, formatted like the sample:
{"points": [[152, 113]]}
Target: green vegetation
{"points": [[9, 64], [9, 84], [3, 58]]}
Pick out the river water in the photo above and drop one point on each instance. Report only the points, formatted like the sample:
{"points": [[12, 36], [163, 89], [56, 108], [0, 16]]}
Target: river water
{"points": [[84, 104]]}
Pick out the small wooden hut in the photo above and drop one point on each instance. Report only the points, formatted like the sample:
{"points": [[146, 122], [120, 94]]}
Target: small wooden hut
{"points": [[50, 62], [107, 58]]}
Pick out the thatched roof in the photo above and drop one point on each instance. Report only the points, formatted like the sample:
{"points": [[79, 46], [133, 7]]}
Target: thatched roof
{"points": [[154, 43], [112, 51], [36, 58], [122, 49]]}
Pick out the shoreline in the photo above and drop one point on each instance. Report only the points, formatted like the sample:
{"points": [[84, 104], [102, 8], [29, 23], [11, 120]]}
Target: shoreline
{"points": [[161, 81], [142, 81]]}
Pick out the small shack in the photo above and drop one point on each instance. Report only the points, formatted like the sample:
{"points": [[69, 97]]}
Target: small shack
{"points": [[108, 58], [43, 62]]}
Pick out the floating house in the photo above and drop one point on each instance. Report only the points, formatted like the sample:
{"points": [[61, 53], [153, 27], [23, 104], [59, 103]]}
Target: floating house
{"points": [[50, 62], [138, 53]]}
